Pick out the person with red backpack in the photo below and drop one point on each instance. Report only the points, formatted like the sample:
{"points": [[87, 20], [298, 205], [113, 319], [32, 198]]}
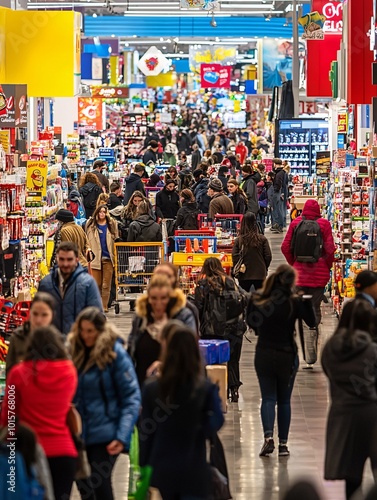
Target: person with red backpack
{"points": [[309, 247]]}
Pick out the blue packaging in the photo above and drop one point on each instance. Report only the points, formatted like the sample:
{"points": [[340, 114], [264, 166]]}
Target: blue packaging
{"points": [[219, 351], [209, 352]]}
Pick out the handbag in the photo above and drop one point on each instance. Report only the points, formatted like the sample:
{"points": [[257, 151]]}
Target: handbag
{"points": [[74, 424], [240, 267], [139, 477]]}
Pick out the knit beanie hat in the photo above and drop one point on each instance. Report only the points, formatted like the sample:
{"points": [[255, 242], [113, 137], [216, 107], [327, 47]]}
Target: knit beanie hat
{"points": [[216, 185], [64, 215]]}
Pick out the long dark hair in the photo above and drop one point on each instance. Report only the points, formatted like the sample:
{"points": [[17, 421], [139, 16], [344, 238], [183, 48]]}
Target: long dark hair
{"points": [[181, 362], [109, 221], [94, 316], [130, 210], [249, 232], [356, 315], [282, 281], [214, 273], [46, 344]]}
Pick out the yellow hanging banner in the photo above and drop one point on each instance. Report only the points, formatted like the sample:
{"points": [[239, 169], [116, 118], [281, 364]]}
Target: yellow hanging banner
{"points": [[36, 178], [5, 140]]}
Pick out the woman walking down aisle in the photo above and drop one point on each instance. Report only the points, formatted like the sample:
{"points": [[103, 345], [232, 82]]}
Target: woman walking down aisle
{"points": [[349, 359], [102, 231], [176, 447], [237, 196], [211, 287], [42, 388], [254, 251], [107, 398], [272, 314]]}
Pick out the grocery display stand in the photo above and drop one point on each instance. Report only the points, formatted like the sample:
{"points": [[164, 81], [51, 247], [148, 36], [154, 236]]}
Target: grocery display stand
{"points": [[195, 241], [226, 227]]}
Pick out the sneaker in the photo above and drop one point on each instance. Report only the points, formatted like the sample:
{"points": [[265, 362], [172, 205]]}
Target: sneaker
{"points": [[283, 450], [267, 448], [274, 227]]}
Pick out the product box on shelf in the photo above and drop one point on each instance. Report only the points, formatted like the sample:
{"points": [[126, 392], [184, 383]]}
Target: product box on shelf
{"points": [[218, 374]]}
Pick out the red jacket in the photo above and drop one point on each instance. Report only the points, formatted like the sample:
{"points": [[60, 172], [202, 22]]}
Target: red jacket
{"points": [[316, 274], [42, 398], [242, 150]]}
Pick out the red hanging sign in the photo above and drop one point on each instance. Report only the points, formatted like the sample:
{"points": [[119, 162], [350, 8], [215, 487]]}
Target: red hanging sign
{"points": [[215, 76]]}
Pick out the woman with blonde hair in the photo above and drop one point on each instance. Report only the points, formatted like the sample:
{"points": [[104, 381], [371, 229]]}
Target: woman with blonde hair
{"points": [[102, 231], [154, 309], [103, 199], [90, 189], [238, 197]]}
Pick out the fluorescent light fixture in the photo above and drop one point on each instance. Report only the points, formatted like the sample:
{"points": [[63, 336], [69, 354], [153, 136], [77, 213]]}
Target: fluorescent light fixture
{"points": [[147, 41]]}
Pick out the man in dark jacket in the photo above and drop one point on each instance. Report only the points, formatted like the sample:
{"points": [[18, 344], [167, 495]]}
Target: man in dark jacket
{"points": [[195, 157], [98, 167], [71, 286], [152, 136], [278, 209], [134, 183], [220, 203], [200, 190], [150, 156], [223, 178], [250, 189], [116, 196], [167, 201]]}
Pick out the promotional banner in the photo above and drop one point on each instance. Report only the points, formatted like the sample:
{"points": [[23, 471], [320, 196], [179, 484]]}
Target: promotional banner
{"points": [[210, 54], [5, 140], [153, 62], [215, 76], [313, 26], [342, 123], [109, 92], [36, 178], [200, 4], [90, 113], [15, 97]]}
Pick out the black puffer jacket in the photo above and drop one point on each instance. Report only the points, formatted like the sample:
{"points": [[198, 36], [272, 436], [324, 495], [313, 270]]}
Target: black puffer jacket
{"points": [[133, 183], [144, 228], [187, 216], [90, 193], [167, 204]]}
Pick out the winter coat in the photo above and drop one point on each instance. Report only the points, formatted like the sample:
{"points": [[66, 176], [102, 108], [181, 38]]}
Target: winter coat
{"points": [[186, 215], [133, 183], [183, 143], [108, 396], [144, 228], [143, 349], [70, 231], [224, 181], [149, 156], [170, 158], [220, 204], [256, 259], [114, 201], [81, 292], [201, 196], [167, 204], [195, 159], [250, 189], [185, 179], [89, 193], [243, 152], [95, 243], [316, 274], [18, 345], [349, 359], [239, 203], [176, 446], [279, 180]]}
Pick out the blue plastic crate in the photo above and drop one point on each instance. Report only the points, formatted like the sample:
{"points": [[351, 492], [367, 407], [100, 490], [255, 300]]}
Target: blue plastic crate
{"points": [[208, 351], [219, 351]]}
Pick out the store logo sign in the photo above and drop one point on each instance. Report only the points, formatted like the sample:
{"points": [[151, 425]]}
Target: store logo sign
{"points": [[215, 76], [333, 12]]}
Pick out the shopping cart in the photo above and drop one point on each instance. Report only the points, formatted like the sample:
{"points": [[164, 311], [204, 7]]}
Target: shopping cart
{"points": [[190, 267], [134, 265], [195, 241], [226, 227]]}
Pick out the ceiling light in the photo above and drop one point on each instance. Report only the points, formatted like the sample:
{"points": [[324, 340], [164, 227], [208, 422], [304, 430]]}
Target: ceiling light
{"points": [[126, 44], [112, 36], [181, 52], [168, 40], [161, 39], [164, 47], [134, 36], [94, 15], [176, 40]]}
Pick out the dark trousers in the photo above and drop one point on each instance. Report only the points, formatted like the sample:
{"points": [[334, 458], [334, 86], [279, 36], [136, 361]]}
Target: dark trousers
{"points": [[276, 372], [63, 470], [247, 284], [98, 486], [317, 296]]}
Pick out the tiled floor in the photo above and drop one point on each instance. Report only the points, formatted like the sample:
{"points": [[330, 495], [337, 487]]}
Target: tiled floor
{"points": [[251, 477]]}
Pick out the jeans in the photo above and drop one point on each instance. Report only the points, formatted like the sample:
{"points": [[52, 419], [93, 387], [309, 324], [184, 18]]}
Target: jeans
{"points": [[98, 486], [317, 296], [63, 470], [247, 284], [277, 210], [103, 278], [276, 372]]}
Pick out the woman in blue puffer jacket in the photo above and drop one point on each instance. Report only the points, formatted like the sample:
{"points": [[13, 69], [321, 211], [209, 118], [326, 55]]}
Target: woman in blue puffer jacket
{"points": [[107, 398]]}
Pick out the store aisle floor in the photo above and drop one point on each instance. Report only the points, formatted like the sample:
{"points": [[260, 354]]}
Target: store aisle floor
{"points": [[252, 477]]}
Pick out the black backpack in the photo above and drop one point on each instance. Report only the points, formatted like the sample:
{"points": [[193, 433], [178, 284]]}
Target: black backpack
{"points": [[190, 220], [307, 242]]}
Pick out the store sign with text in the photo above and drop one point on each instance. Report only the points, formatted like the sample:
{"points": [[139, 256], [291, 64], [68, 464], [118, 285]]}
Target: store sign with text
{"points": [[110, 92], [90, 113], [333, 12], [14, 112], [215, 76], [36, 178], [342, 123]]}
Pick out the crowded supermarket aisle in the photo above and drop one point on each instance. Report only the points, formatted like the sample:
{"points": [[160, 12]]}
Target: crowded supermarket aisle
{"points": [[253, 477]]}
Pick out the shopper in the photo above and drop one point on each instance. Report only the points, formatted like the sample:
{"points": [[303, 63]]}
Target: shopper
{"points": [[99, 166], [242, 150], [237, 196], [312, 276], [349, 360], [153, 310], [150, 155], [195, 157], [220, 203], [269, 184], [68, 230], [185, 178], [171, 174], [272, 314], [200, 190], [187, 215], [102, 232], [107, 397], [116, 196], [170, 154], [254, 251], [223, 170], [41, 389], [134, 183], [129, 213], [103, 199], [144, 227], [71, 286], [213, 283], [278, 209], [90, 189], [41, 314], [167, 201], [155, 181], [250, 189], [176, 446]]}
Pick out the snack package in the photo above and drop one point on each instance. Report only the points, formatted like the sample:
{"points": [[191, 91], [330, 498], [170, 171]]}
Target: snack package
{"points": [[356, 197]]}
